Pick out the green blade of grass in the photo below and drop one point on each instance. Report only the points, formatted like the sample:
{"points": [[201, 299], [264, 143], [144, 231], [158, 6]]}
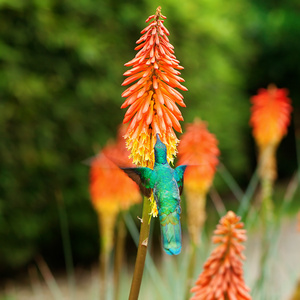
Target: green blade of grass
{"points": [[49, 279], [217, 200], [231, 182], [291, 190], [64, 227], [245, 203]]}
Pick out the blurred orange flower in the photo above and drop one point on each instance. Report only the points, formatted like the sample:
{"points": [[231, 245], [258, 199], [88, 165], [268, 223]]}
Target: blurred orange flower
{"points": [[271, 115], [222, 277], [152, 99], [111, 191], [198, 147], [110, 188]]}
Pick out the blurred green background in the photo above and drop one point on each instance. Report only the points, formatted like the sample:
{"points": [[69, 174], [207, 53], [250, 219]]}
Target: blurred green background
{"points": [[61, 66]]}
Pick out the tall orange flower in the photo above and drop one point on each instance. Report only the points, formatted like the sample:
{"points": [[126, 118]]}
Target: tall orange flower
{"points": [[111, 190], [152, 99], [271, 114], [222, 276], [198, 147]]}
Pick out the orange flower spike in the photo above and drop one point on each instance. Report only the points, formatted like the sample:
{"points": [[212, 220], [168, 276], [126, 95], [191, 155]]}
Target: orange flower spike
{"points": [[111, 191], [106, 176], [271, 115], [198, 147], [153, 96], [222, 276]]}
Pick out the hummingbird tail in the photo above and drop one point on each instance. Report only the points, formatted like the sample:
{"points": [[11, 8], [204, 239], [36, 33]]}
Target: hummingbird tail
{"points": [[171, 232]]}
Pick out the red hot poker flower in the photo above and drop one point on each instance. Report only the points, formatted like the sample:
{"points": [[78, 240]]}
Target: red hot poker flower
{"points": [[111, 191], [270, 117], [198, 147], [222, 277], [110, 187], [153, 98]]}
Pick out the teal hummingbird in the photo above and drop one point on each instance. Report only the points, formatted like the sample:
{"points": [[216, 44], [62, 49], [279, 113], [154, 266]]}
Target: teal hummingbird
{"points": [[166, 184]]}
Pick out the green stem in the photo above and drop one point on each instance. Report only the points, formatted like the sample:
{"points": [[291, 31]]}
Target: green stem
{"points": [[141, 253], [106, 229], [119, 251], [104, 261], [267, 203], [267, 218]]}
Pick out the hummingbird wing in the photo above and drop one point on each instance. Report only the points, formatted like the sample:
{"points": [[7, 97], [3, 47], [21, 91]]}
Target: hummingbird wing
{"points": [[144, 177], [178, 175]]}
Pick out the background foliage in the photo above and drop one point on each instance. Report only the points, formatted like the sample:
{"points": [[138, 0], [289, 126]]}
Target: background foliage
{"points": [[61, 66]]}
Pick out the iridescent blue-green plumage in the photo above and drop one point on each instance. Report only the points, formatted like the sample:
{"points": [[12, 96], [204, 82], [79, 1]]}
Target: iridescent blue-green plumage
{"points": [[166, 184]]}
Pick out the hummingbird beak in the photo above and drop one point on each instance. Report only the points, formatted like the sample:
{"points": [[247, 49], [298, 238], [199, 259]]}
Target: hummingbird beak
{"points": [[159, 143]]}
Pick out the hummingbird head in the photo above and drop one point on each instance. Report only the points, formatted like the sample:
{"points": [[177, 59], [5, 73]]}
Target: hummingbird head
{"points": [[160, 151]]}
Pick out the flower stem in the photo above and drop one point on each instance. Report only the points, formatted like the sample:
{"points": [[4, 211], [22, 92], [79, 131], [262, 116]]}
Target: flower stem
{"points": [[196, 201], [106, 229], [267, 219], [141, 253], [296, 294], [119, 253], [267, 203]]}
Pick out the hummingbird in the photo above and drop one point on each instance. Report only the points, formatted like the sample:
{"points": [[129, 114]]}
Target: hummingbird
{"points": [[166, 184]]}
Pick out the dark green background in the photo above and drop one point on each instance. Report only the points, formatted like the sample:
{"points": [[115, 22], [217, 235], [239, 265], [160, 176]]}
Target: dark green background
{"points": [[61, 66]]}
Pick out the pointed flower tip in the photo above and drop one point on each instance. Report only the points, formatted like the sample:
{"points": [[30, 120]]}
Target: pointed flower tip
{"points": [[149, 18]]}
